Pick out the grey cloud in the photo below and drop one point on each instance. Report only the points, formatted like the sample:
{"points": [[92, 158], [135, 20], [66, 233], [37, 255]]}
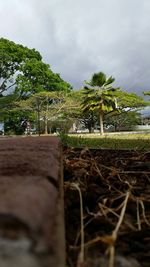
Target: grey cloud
{"points": [[78, 38]]}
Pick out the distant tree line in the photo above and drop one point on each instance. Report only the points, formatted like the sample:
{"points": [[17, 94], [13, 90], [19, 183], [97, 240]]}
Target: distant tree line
{"points": [[30, 90]]}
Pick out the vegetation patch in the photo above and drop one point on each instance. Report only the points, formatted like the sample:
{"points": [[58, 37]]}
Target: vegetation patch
{"points": [[107, 200], [114, 141]]}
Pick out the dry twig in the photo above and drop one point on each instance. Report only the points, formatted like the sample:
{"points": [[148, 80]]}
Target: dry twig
{"points": [[81, 254], [115, 232]]}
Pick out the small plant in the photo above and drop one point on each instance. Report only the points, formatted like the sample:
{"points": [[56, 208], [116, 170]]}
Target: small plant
{"points": [[64, 138]]}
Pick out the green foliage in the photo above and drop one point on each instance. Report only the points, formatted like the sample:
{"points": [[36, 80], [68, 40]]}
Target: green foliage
{"points": [[146, 93], [130, 101], [28, 85], [22, 68], [37, 76], [100, 79], [89, 119], [64, 138], [23, 71], [124, 120], [102, 97], [72, 105], [119, 141], [12, 122], [99, 95], [49, 108], [12, 57]]}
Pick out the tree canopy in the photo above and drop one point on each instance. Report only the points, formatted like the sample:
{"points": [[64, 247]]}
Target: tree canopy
{"points": [[31, 89], [37, 76], [23, 69], [12, 57], [99, 94], [129, 101], [23, 74], [147, 93]]}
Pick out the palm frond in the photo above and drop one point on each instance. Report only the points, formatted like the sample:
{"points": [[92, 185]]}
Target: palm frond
{"points": [[98, 79], [110, 80]]}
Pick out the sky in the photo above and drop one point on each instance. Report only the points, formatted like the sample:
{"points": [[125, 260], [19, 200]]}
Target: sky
{"points": [[80, 37]]}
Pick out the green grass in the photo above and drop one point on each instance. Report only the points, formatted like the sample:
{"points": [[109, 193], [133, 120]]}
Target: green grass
{"points": [[114, 141]]}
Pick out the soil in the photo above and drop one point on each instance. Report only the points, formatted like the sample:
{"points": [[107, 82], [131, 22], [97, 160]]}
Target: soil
{"points": [[115, 188]]}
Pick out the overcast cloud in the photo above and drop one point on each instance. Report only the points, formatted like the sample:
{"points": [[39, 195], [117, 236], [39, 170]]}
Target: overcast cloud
{"points": [[80, 37]]}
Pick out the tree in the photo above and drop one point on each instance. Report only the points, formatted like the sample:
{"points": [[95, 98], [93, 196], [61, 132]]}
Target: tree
{"points": [[12, 57], [73, 110], [127, 115], [22, 74], [13, 121], [89, 119], [22, 69], [11, 114], [146, 93], [46, 106], [36, 76], [99, 94], [129, 101], [124, 120]]}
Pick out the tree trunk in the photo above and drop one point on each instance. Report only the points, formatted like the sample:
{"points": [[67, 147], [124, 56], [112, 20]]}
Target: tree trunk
{"points": [[38, 116], [90, 128], [101, 123], [46, 118], [116, 127], [38, 121], [46, 125]]}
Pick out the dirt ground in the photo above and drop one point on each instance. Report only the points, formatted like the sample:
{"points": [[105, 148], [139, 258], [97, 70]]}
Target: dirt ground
{"points": [[115, 189]]}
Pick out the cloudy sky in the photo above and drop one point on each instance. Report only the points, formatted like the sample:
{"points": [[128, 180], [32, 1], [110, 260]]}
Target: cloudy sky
{"points": [[80, 37]]}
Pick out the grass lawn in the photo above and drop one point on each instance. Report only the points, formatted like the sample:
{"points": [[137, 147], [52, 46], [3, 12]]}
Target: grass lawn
{"points": [[137, 141]]}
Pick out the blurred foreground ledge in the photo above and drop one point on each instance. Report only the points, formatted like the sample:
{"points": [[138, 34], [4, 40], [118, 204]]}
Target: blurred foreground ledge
{"points": [[31, 203]]}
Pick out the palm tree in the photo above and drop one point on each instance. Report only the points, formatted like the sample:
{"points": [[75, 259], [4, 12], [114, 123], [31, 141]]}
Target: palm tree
{"points": [[99, 94]]}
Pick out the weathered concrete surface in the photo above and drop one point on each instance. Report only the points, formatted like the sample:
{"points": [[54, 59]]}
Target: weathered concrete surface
{"points": [[30, 156], [31, 203]]}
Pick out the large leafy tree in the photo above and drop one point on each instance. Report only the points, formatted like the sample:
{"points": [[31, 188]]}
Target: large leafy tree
{"points": [[36, 76], [129, 101], [74, 111], [12, 57], [23, 69], [99, 95], [13, 119], [22, 74], [46, 107], [128, 110], [124, 120]]}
